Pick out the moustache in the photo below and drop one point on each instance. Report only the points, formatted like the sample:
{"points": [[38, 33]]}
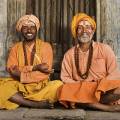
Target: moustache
{"points": [[85, 34]]}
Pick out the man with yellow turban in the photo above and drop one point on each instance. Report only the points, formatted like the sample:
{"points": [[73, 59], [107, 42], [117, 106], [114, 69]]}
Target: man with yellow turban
{"points": [[30, 64], [89, 70]]}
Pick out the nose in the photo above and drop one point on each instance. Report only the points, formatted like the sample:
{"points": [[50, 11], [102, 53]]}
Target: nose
{"points": [[84, 29], [28, 29]]}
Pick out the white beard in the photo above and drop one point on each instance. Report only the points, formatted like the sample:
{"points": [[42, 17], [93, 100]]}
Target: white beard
{"points": [[84, 39]]}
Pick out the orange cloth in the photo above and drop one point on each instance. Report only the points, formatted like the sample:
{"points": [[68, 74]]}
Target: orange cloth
{"points": [[41, 56], [25, 19], [79, 17], [34, 85], [86, 92], [103, 71]]}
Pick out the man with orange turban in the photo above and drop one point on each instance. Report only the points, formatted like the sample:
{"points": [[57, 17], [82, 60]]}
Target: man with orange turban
{"points": [[89, 70], [29, 64]]}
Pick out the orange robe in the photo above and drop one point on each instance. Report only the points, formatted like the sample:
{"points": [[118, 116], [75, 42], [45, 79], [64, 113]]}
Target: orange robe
{"points": [[34, 85], [16, 57], [103, 75]]}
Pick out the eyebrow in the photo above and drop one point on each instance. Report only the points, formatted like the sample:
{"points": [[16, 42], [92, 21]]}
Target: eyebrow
{"points": [[85, 25], [29, 25]]}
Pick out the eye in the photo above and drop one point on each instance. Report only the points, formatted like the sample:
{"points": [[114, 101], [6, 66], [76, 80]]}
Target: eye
{"points": [[80, 27], [33, 27], [88, 27], [24, 28]]}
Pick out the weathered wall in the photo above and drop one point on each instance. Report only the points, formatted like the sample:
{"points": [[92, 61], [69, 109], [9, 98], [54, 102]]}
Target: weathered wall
{"points": [[56, 17], [10, 11], [108, 24], [15, 9], [3, 34]]}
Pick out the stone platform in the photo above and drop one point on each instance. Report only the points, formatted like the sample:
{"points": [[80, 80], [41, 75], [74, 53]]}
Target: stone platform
{"points": [[56, 114]]}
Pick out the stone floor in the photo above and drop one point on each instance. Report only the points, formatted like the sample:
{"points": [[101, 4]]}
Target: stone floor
{"points": [[56, 114]]}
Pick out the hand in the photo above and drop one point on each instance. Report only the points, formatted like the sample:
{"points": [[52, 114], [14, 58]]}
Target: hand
{"points": [[14, 70], [42, 68]]}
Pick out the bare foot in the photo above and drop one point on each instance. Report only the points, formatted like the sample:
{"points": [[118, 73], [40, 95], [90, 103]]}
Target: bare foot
{"points": [[66, 105], [114, 108], [104, 107], [72, 105], [51, 105]]}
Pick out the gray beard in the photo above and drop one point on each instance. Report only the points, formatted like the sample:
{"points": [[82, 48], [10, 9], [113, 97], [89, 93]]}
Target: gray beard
{"points": [[83, 39]]}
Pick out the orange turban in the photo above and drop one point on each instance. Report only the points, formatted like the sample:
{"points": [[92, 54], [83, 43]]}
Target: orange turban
{"points": [[25, 19], [79, 17]]}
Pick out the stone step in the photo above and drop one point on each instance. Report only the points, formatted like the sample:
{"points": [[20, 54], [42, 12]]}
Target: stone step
{"points": [[57, 114]]}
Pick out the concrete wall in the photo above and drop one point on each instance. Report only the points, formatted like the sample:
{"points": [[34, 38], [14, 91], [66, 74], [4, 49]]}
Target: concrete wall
{"points": [[108, 24], [3, 34], [10, 11]]}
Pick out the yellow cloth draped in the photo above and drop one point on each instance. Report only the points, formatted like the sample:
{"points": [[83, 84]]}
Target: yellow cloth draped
{"points": [[37, 91], [20, 53]]}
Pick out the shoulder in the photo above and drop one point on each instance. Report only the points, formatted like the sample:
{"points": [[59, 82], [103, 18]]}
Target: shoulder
{"points": [[43, 43], [69, 52], [15, 46], [44, 47], [47, 44], [103, 46], [103, 50]]}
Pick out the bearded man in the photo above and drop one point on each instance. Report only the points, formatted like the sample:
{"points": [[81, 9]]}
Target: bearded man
{"points": [[89, 70]]}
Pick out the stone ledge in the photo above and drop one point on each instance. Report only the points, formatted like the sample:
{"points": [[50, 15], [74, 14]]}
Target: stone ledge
{"points": [[17, 114], [42, 114], [99, 115], [56, 114]]}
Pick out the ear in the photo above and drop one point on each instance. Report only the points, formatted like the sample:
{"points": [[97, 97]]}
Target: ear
{"points": [[94, 31]]}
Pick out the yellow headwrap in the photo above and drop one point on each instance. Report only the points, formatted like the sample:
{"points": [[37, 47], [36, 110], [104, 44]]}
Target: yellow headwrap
{"points": [[25, 19], [79, 17]]}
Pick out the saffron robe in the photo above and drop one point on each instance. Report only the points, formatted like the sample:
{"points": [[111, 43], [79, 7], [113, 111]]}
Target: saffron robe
{"points": [[103, 75], [34, 85]]}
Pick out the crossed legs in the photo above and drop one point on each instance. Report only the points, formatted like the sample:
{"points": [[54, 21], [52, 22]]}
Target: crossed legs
{"points": [[20, 100], [110, 96]]}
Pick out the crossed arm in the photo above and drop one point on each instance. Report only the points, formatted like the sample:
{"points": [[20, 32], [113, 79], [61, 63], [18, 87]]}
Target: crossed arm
{"points": [[35, 73]]}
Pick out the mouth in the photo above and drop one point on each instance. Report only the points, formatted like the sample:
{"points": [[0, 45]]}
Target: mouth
{"points": [[29, 34], [84, 36]]}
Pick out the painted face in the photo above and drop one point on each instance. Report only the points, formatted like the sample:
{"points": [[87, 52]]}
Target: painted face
{"points": [[84, 31], [29, 31]]}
